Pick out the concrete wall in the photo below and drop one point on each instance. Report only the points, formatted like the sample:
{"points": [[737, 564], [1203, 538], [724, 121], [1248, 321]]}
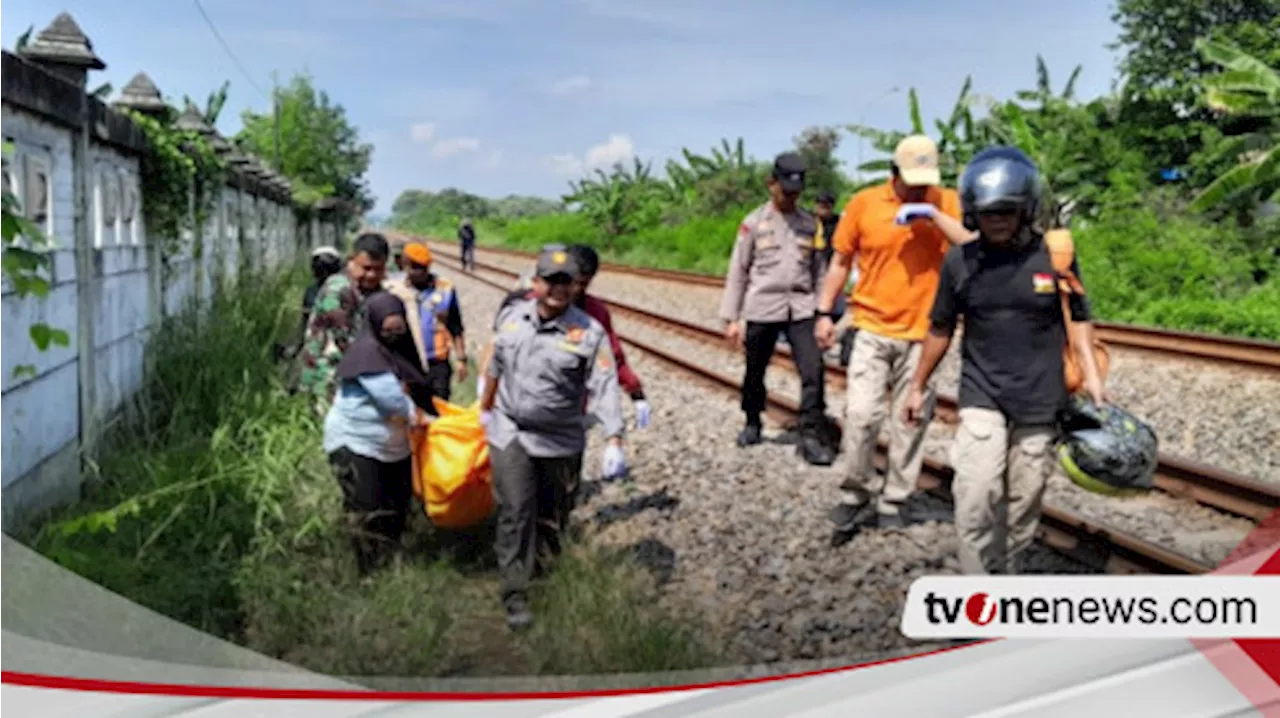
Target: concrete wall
{"points": [[50, 420]]}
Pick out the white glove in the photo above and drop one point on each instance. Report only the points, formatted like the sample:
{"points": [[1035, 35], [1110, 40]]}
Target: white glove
{"points": [[915, 210], [642, 414], [615, 461]]}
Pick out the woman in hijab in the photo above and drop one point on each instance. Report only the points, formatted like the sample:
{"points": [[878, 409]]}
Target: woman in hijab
{"points": [[381, 392]]}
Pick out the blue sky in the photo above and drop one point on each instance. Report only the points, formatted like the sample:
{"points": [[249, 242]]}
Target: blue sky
{"points": [[517, 96]]}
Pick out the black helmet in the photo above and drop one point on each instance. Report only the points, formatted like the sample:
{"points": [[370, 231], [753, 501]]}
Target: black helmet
{"points": [[999, 178], [1106, 449]]}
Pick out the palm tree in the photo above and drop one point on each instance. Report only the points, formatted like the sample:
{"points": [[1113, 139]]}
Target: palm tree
{"points": [[1246, 87]]}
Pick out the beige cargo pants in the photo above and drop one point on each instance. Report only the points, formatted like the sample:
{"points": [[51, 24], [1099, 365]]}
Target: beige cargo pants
{"points": [[992, 462], [878, 365]]}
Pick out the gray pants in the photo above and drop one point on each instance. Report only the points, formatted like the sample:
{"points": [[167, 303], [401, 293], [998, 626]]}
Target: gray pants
{"points": [[534, 497]]}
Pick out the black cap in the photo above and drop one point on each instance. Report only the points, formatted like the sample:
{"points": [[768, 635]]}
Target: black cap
{"points": [[827, 198], [555, 259], [788, 169]]}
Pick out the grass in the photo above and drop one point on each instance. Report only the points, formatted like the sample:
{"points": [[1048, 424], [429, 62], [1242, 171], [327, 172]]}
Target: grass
{"points": [[214, 505]]}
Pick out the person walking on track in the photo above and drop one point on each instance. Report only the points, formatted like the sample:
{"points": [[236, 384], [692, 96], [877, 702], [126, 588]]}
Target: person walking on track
{"points": [[338, 315], [549, 361], [435, 320], [770, 291], [467, 245], [1012, 384], [899, 231]]}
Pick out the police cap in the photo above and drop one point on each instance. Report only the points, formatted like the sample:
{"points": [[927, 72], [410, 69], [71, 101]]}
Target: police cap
{"points": [[555, 260], [789, 170]]}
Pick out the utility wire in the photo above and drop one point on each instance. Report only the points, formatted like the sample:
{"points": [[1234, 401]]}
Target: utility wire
{"points": [[240, 66]]}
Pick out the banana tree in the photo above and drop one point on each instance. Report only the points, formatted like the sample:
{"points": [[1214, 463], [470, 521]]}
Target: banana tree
{"points": [[1245, 87]]}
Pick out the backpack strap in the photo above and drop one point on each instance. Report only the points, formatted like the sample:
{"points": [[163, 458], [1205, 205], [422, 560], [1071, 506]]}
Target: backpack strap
{"points": [[1062, 252]]}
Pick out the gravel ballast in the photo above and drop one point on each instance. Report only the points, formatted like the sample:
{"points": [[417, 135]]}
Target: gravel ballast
{"points": [[742, 537], [1216, 415]]}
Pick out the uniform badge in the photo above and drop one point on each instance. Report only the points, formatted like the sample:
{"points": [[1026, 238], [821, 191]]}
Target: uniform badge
{"points": [[744, 229], [575, 335], [435, 298], [559, 258], [603, 363], [510, 327], [1043, 283]]}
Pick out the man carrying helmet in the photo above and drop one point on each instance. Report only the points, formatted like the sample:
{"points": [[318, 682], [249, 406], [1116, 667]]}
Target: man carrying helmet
{"points": [[434, 318], [899, 232], [1012, 386], [769, 291]]}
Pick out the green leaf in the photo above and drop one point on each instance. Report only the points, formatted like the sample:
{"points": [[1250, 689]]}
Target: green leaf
{"points": [[22, 370], [43, 335]]}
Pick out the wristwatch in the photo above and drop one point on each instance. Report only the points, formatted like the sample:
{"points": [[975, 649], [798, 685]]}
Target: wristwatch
{"points": [[824, 314]]}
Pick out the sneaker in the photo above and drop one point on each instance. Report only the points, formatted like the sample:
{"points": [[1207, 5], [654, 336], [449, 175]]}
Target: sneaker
{"points": [[815, 451], [750, 435], [890, 522], [519, 616], [849, 520]]}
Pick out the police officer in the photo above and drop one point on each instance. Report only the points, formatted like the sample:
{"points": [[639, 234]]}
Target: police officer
{"points": [[548, 358], [770, 291], [467, 245]]}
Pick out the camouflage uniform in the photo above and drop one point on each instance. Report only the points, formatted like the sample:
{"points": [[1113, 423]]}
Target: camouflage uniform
{"points": [[336, 319]]}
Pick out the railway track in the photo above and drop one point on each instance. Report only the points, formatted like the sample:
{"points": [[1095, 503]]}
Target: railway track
{"points": [[1207, 485], [1234, 351], [1082, 539]]}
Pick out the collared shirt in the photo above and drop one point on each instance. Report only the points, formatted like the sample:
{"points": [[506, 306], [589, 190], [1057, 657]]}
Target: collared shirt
{"points": [[897, 265], [361, 418], [546, 371], [772, 276]]}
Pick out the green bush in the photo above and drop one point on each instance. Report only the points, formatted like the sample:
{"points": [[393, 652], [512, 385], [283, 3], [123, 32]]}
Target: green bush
{"points": [[1145, 266]]}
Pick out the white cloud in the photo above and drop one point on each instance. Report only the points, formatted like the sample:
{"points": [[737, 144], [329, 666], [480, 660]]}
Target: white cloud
{"points": [[455, 146], [566, 165], [570, 85], [423, 132], [617, 148]]}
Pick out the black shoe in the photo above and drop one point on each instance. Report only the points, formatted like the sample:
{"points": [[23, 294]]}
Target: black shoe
{"points": [[519, 616], [815, 451], [750, 435], [890, 522], [850, 520]]}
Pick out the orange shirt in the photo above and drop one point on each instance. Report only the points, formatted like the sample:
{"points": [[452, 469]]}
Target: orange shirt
{"points": [[897, 266]]}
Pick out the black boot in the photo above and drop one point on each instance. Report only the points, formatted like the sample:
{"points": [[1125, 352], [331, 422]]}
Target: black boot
{"points": [[519, 615], [750, 435]]}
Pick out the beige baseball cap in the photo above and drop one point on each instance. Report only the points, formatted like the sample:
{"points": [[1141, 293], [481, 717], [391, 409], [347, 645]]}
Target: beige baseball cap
{"points": [[917, 160]]}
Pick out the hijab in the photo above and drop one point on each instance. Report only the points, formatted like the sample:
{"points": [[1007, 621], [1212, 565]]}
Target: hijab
{"points": [[372, 353]]}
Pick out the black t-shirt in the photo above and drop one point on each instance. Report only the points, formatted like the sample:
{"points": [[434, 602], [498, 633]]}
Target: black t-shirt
{"points": [[1014, 332]]}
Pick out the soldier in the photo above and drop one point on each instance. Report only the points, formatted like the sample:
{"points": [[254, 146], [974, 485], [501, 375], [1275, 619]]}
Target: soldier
{"points": [[339, 314], [770, 291], [435, 320], [548, 358]]}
